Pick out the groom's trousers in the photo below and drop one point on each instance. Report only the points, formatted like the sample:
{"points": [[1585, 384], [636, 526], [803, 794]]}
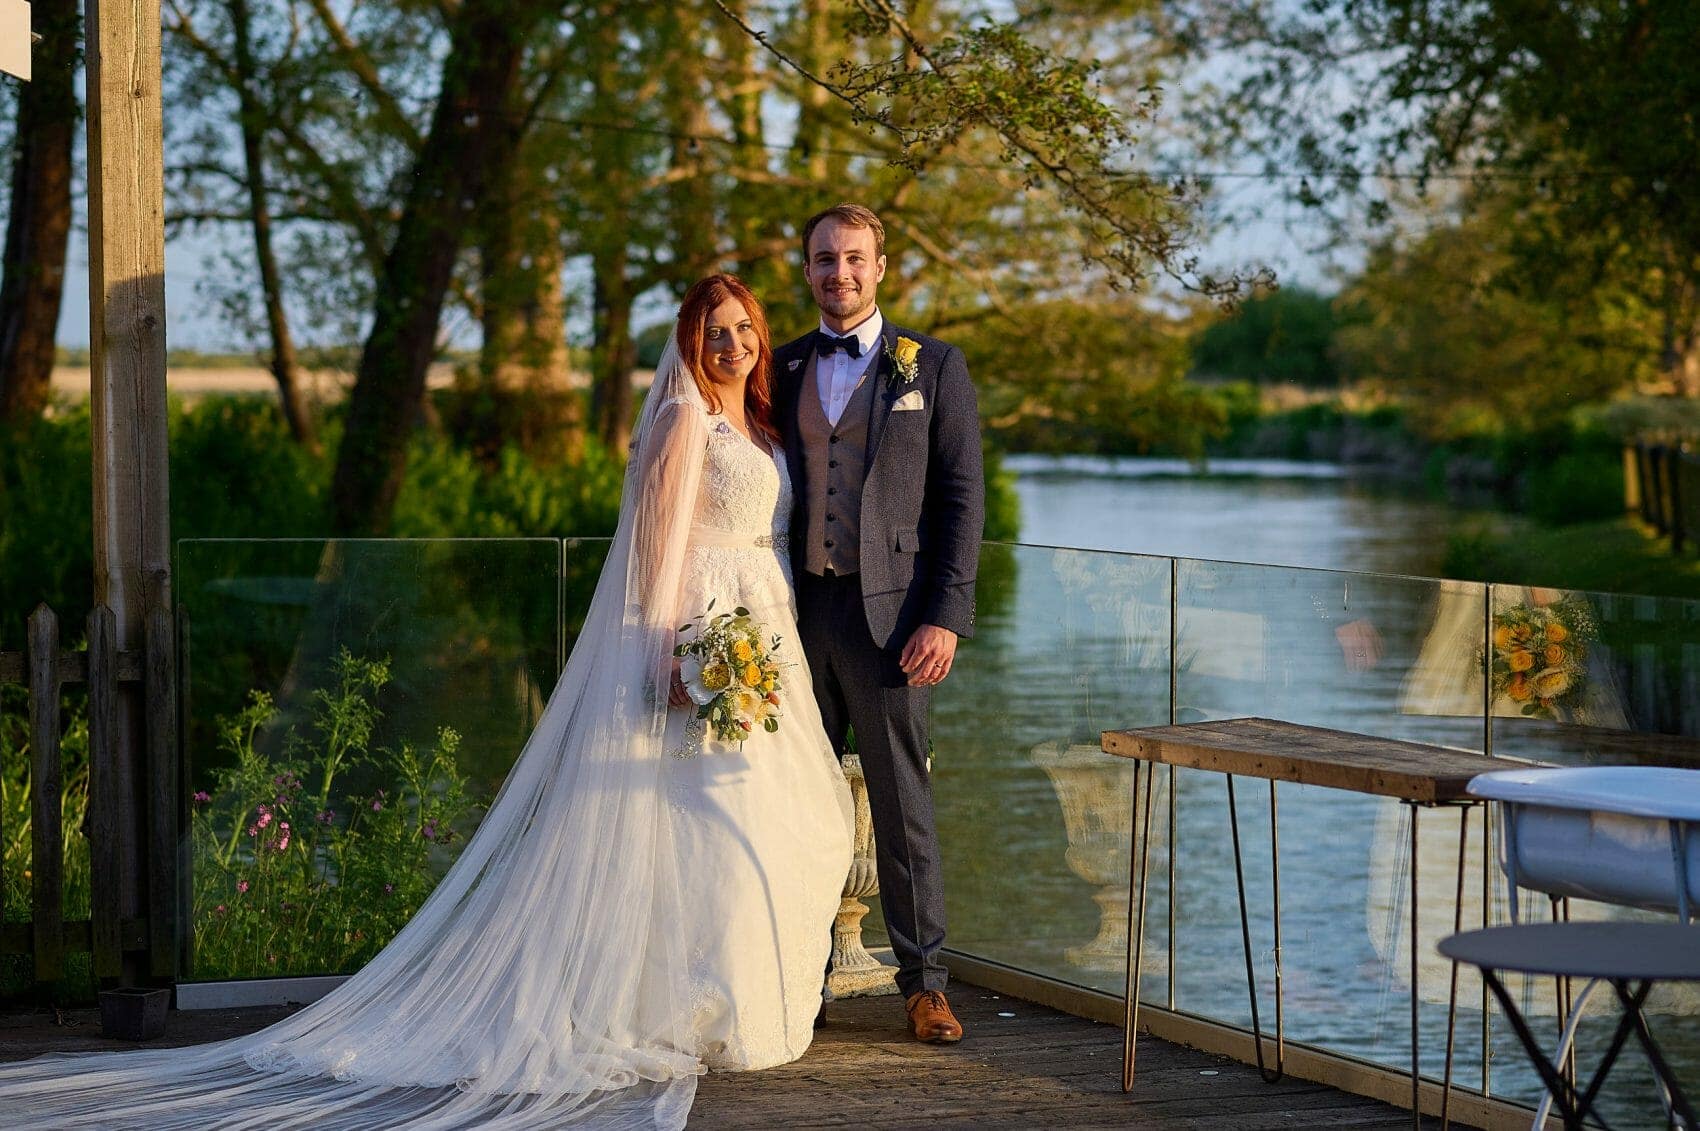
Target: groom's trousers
{"points": [[862, 688]]}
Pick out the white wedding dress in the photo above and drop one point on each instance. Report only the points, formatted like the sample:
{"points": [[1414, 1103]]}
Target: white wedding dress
{"points": [[762, 828], [639, 905]]}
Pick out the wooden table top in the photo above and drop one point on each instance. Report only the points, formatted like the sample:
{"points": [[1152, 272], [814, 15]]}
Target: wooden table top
{"points": [[1337, 759]]}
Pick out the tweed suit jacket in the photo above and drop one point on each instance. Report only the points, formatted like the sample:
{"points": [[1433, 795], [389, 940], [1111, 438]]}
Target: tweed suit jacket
{"points": [[924, 491]]}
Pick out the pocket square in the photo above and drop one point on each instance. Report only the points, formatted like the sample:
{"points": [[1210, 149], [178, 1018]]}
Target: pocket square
{"points": [[909, 402], [794, 366]]}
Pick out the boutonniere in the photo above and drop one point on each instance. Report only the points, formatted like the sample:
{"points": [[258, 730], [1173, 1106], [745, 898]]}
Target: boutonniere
{"points": [[903, 360]]}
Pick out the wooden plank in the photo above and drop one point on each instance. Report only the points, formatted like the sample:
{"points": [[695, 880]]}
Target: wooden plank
{"points": [[103, 793], [47, 843], [78, 935], [1282, 751], [160, 712], [73, 667]]}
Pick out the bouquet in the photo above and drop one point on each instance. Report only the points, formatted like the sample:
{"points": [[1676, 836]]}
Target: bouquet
{"points": [[730, 671], [1540, 654]]}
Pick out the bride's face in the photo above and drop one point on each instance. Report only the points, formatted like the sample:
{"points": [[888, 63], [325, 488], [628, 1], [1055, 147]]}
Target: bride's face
{"points": [[729, 344]]}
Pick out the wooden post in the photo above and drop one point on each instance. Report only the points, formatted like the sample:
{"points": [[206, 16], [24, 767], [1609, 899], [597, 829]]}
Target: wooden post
{"points": [[103, 795], [47, 847], [159, 691], [132, 540]]}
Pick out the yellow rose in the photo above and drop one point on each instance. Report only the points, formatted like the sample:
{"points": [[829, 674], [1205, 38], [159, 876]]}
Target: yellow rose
{"points": [[1519, 689], [908, 349], [1557, 633], [1552, 683], [752, 675], [716, 677], [1521, 661], [742, 650], [1502, 637], [1554, 655]]}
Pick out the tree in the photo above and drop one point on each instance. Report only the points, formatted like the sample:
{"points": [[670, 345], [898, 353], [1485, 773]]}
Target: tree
{"points": [[1284, 336], [641, 146], [475, 128], [38, 228], [1579, 117], [1433, 317]]}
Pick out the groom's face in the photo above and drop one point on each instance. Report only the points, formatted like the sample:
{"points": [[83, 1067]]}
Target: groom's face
{"points": [[844, 270]]}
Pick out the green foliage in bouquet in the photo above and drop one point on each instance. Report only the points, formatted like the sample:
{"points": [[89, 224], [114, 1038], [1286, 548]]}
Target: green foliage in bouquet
{"points": [[731, 671]]}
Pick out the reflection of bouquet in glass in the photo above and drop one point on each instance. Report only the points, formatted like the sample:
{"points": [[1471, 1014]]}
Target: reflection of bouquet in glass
{"points": [[730, 671], [1540, 654]]}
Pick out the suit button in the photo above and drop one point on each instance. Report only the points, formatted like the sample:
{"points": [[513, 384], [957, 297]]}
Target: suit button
{"points": [[832, 490], [832, 463], [829, 543], [832, 518], [835, 439]]}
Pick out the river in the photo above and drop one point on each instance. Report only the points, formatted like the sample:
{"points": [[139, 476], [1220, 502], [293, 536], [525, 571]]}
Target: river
{"points": [[1033, 817]]}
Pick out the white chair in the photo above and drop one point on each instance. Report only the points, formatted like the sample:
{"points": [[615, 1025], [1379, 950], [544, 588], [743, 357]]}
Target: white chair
{"points": [[1627, 835]]}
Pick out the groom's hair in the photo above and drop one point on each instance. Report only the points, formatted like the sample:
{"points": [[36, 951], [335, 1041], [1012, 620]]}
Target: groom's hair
{"points": [[850, 215]]}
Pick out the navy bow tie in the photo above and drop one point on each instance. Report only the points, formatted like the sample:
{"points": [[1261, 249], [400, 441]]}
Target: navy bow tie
{"points": [[827, 345]]}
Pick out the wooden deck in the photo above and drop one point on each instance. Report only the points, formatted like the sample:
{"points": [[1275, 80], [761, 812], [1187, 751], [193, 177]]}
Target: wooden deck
{"points": [[1036, 1068]]}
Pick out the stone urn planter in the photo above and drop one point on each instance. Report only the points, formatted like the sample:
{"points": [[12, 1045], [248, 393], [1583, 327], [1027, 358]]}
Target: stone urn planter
{"points": [[855, 972], [1095, 791]]}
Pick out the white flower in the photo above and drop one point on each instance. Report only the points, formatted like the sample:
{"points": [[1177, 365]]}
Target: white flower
{"points": [[703, 682]]}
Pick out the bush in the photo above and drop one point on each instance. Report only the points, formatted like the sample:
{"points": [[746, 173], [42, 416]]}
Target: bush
{"points": [[294, 871], [17, 972], [1577, 487], [235, 473]]}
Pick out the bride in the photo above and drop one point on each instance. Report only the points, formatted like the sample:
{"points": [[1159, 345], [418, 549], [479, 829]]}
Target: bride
{"points": [[642, 902]]}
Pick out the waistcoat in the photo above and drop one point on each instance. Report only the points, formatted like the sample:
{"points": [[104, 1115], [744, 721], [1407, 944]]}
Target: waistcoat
{"points": [[833, 464]]}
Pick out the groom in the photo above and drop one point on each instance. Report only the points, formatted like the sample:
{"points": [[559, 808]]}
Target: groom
{"points": [[883, 436]]}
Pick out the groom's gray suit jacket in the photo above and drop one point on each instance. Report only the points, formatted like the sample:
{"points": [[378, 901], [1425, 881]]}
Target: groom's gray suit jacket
{"points": [[923, 495]]}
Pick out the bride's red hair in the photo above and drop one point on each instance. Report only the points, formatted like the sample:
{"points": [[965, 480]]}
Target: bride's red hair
{"points": [[700, 301]]}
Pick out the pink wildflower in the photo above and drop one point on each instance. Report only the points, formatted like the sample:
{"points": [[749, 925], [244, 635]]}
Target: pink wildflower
{"points": [[220, 909], [326, 816], [242, 886], [283, 836], [265, 816], [202, 797], [389, 888]]}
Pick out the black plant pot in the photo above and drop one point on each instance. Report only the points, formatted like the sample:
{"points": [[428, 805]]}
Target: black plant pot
{"points": [[134, 1014]]}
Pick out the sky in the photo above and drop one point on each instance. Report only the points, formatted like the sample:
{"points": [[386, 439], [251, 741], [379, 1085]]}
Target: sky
{"points": [[1282, 238]]}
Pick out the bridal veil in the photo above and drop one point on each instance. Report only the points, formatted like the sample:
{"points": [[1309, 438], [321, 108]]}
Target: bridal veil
{"points": [[542, 983]]}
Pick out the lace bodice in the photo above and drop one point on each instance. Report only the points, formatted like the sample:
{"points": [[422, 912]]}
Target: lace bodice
{"points": [[745, 486]]}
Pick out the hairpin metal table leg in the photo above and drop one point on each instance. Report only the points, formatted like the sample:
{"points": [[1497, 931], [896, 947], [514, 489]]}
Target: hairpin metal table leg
{"points": [[1136, 920], [1245, 940]]}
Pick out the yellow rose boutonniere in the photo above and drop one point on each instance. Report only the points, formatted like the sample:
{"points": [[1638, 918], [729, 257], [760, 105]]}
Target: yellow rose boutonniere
{"points": [[903, 359]]}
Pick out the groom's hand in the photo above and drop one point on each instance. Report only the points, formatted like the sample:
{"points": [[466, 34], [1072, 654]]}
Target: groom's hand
{"points": [[927, 657]]}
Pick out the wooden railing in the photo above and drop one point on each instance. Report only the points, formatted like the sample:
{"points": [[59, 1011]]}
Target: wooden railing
{"points": [[152, 803], [1662, 485]]}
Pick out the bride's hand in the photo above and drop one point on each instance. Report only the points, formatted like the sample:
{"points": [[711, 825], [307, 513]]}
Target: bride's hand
{"points": [[676, 694]]}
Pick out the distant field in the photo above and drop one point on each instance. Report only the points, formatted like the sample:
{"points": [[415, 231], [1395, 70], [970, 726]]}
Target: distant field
{"points": [[72, 381], [322, 385]]}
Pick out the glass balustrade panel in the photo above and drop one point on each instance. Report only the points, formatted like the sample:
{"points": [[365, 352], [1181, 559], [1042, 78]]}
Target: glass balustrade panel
{"points": [[349, 709]]}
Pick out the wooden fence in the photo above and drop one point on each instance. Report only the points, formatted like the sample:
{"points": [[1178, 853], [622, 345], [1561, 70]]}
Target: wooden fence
{"points": [[1662, 485], [152, 805]]}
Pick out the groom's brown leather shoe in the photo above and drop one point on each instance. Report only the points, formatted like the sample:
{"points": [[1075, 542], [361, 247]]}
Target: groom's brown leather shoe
{"points": [[930, 1018]]}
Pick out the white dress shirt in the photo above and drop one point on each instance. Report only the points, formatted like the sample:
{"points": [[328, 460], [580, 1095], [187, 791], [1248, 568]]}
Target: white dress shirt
{"points": [[838, 376]]}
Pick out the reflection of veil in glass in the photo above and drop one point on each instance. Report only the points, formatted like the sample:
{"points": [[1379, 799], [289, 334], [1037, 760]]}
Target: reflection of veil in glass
{"points": [[544, 981]]}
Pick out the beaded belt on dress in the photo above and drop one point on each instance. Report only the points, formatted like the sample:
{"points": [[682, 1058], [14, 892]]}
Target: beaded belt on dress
{"points": [[728, 539]]}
